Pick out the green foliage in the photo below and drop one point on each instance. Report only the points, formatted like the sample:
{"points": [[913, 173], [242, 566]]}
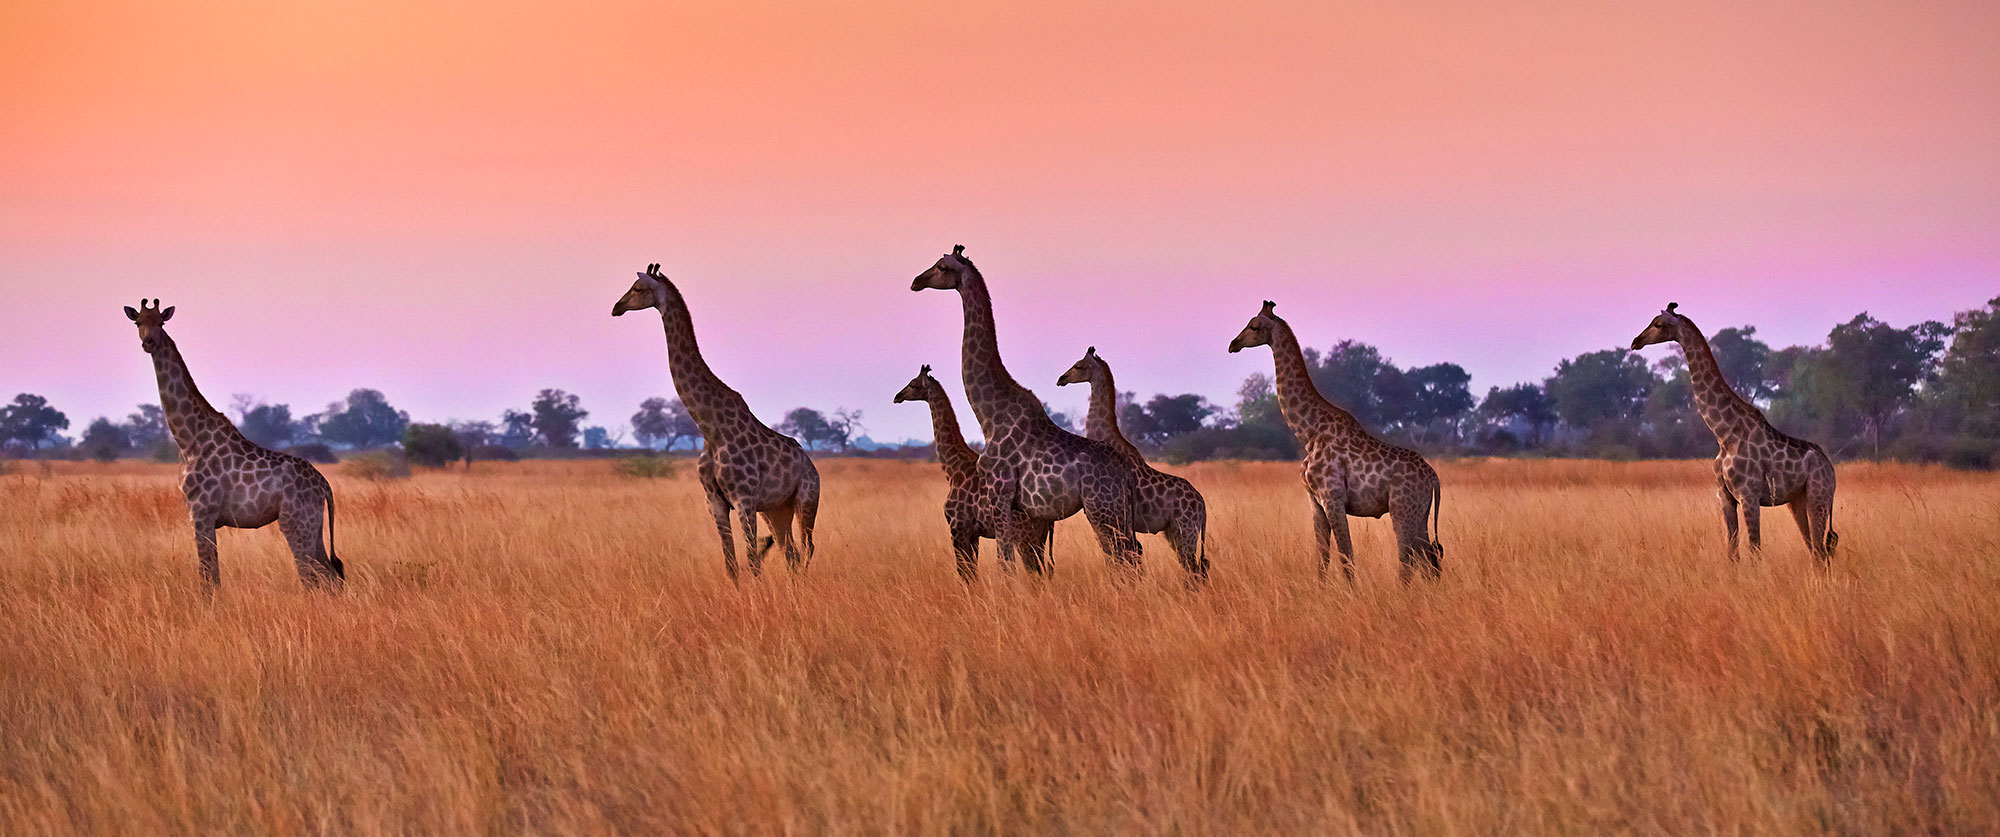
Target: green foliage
{"points": [[645, 466], [105, 441], [431, 445], [1600, 390], [269, 425], [557, 417], [29, 422], [313, 452], [364, 420], [664, 422]]}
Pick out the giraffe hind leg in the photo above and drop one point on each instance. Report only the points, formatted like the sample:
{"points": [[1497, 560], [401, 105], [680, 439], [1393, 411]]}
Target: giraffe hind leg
{"points": [[754, 548], [808, 513], [301, 528], [718, 508], [780, 520]]}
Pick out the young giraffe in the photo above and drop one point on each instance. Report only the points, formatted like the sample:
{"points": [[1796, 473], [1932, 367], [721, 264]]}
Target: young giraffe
{"points": [[1347, 471], [743, 464], [1755, 465], [1032, 470], [1166, 504], [231, 481], [961, 472]]}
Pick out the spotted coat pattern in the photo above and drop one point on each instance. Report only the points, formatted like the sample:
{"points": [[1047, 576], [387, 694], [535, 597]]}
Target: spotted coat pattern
{"points": [[1755, 465], [1031, 469], [230, 481], [744, 466], [1346, 470], [1166, 504]]}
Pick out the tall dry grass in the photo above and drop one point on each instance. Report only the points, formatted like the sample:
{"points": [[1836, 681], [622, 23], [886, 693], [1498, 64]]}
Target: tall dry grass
{"points": [[553, 647]]}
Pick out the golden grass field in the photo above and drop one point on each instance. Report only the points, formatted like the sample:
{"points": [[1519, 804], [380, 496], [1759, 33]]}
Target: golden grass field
{"points": [[550, 647]]}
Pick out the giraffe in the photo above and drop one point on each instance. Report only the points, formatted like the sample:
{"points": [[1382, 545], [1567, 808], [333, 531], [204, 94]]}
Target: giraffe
{"points": [[961, 473], [1347, 471], [1166, 504], [1032, 471], [230, 481], [1755, 465], [744, 465]]}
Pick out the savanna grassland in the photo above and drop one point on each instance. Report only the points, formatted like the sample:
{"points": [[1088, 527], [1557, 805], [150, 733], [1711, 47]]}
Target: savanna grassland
{"points": [[552, 647]]}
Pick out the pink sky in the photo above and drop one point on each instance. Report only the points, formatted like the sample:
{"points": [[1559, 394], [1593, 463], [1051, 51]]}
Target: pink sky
{"points": [[442, 200]]}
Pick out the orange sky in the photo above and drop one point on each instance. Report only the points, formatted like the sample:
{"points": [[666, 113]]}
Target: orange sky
{"points": [[441, 200]]}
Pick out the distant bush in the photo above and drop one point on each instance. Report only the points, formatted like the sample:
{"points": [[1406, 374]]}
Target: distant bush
{"points": [[1973, 454], [313, 452], [496, 453], [431, 445], [646, 466], [376, 465]]}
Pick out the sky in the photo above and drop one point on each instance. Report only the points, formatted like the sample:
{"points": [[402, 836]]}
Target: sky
{"points": [[441, 200]]}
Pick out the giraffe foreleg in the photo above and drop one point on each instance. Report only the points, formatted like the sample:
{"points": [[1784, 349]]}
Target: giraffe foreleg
{"points": [[205, 551], [1728, 518], [754, 549], [718, 508], [965, 548], [1752, 522]]}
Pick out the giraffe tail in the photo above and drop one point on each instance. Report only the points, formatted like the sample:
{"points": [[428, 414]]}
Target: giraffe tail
{"points": [[332, 559]]}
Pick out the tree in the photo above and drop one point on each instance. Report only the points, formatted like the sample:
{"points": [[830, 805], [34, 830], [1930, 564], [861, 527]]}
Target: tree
{"points": [[30, 422], [431, 445], [363, 420], [1525, 404], [806, 425], [1742, 358], [844, 425], [105, 441], [1601, 390], [147, 430], [1257, 402], [1177, 415], [1675, 429], [1969, 374], [517, 429], [1440, 392], [269, 425], [1355, 376], [1062, 420], [665, 422], [1873, 369], [597, 438], [557, 415]]}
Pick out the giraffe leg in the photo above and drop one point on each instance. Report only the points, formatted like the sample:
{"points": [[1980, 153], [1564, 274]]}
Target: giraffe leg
{"points": [[754, 550], [808, 510], [1322, 534], [1413, 540], [1819, 517], [965, 547], [780, 519], [1108, 510], [1343, 542], [1040, 537], [718, 508], [301, 527], [998, 484], [1185, 537], [1752, 512], [1729, 519], [204, 547], [1798, 507]]}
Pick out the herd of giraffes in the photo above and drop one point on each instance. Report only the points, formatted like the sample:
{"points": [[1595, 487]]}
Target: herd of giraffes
{"points": [[1031, 472]]}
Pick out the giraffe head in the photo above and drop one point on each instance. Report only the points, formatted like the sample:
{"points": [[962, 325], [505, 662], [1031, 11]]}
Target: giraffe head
{"points": [[1084, 370], [649, 292], [946, 274], [150, 320], [1258, 331], [920, 388], [1665, 327]]}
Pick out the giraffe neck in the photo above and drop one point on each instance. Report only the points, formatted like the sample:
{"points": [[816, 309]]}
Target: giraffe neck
{"points": [[196, 426], [999, 402], [710, 402], [1101, 423], [1305, 409], [960, 461], [1725, 412]]}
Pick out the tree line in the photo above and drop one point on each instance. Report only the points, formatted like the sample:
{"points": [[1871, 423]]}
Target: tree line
{"points": [[1929, 391]]}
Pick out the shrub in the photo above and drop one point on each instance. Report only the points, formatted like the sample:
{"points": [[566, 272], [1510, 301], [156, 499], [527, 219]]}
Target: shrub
{"points": [[431, 445], [376, 465], [497, 453], [1973, 454], [313, 452], [645, 466]]}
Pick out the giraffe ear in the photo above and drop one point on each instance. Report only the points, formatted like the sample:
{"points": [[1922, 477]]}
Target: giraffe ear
{"points": [[167, 314], [131, 314]]}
